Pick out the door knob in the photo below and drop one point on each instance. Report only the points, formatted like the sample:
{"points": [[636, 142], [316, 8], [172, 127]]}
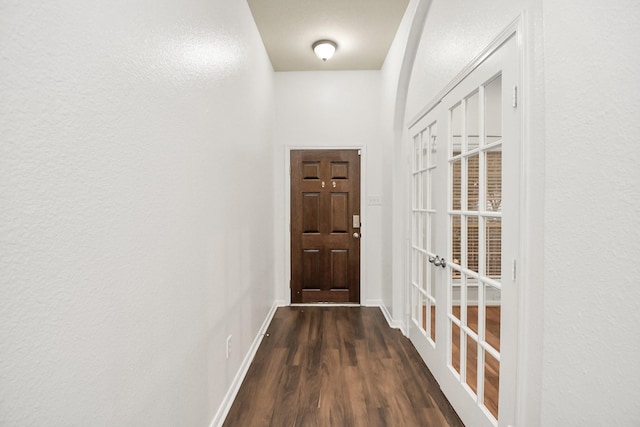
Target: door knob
{"points": [[356, 235], [440, 262], [437, 261]]}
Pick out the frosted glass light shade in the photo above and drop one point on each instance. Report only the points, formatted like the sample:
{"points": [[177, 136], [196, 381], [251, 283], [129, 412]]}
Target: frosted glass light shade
{"points": [[324, 49]]}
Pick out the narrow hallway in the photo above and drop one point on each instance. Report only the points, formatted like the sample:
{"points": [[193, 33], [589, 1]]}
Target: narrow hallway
{"points": [[338, 366], [145, 212]]}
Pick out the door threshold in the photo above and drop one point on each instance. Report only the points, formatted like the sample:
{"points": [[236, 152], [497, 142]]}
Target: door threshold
{"points": [[325, 304]]}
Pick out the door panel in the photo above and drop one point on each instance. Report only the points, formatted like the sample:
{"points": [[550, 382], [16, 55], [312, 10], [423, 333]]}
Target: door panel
{"points": [[310, 170], [325, 253], [311, 212], [425, 298], [311, 272], [474, 189], [339, 212], [339, 269]]}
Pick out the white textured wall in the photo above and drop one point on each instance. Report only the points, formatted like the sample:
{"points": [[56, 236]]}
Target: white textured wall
{"points": [[592, 245], [395, 75], [454, 33], [135, 208], [331, 109]]}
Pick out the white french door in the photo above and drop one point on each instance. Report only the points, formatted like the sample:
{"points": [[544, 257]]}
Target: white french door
{"points": [[465, 239], [424, 220]]}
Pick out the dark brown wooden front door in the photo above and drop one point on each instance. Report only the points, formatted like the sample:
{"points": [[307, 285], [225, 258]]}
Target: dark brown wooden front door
{"points": [[325, 233]]}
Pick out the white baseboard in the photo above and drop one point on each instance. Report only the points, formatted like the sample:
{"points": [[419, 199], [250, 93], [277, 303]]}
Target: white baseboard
{"points": [[232, 392], [395, 324], [373, 303], [474, 303]]}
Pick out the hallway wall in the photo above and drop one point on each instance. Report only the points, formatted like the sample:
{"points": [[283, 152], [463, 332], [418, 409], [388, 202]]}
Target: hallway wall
{"points": [[454, 33], [396, 73], [330, 109], [592, 200], [136, 184]]}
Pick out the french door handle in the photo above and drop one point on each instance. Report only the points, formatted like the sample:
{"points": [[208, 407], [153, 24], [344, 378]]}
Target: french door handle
{"points": [[437, 261]]}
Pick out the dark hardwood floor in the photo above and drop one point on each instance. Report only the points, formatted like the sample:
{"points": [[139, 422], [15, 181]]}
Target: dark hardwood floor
{"points": [[338, 366]]}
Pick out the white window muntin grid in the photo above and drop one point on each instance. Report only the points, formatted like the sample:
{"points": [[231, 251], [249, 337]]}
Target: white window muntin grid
{"points": [[422, 218], [479, 276]]}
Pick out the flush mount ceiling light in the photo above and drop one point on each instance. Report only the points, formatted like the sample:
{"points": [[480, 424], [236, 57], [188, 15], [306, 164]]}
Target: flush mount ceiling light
{"points": [[324, 49]]}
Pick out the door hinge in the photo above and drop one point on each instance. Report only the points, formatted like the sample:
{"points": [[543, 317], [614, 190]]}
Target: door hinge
{"points": [[514, 97], [359, 152], [514, 270]]}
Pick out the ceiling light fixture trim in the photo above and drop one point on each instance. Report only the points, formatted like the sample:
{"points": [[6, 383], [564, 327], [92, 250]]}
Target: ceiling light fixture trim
{"points": [[324, 49]]}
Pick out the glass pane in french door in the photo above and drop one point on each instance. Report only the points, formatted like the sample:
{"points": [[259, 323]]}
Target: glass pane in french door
{"points": [[491, 383], [423, 286], [493, 178], [475, 236], [472, 122]]}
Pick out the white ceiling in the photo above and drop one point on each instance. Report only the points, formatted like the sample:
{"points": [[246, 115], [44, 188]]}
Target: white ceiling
{"points": [[363, 30]]}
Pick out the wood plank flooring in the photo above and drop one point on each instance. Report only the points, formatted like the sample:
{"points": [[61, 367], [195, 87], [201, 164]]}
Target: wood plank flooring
{"points": [[338, 366]]}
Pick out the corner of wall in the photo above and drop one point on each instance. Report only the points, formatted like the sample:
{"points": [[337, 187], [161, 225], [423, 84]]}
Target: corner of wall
{"points": [[393, 323], [397, 73]]}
